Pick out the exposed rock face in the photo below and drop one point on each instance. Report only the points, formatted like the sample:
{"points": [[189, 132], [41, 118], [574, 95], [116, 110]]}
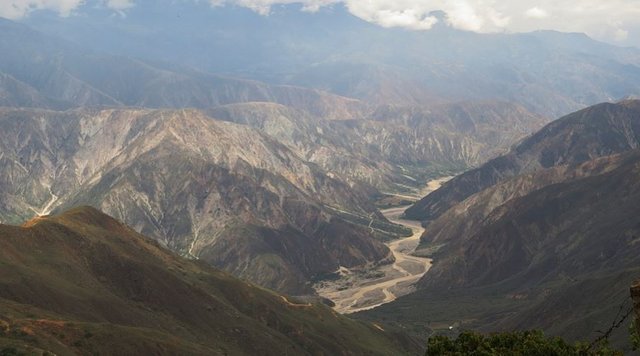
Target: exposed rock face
{"points": [[385, 148], [467, 133], [191, 182], [82, 282], [597, 131], [328, 143], [194, 182]]}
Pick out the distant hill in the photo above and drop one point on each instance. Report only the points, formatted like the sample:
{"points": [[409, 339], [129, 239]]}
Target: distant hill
{"points": [[65, 74], [549, 73], [83, 283]]}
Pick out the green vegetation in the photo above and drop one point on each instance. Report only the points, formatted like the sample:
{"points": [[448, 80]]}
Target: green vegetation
{"points": [[634, 335], [427, 171], [386, 231], [530, 343]]}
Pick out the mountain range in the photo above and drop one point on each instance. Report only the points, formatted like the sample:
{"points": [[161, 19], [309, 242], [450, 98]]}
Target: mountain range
{"points": [[550, 73], [195, 184], [64, 75], [255, 153], [265, 181]]}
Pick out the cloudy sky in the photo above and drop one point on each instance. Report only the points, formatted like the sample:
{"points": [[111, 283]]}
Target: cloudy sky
{"points": [[616, 21]]}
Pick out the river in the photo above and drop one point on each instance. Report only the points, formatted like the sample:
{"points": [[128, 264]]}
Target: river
{"points": [[362, 289]]}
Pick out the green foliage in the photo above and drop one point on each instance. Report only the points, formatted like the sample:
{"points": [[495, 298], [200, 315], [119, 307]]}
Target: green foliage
{"points": [[529, 343], [634, 335], [10, 351]]}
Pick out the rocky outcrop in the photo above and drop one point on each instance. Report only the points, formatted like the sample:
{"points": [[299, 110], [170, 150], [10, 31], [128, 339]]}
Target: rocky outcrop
{"points": [[394, 146]]}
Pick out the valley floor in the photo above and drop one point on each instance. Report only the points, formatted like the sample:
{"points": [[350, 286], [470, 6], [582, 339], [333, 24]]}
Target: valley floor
{"points": [[358, 290]]}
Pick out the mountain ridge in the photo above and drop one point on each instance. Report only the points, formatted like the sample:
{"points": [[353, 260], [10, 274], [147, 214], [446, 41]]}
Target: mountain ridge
{"points": [[365, 61], [531, 154], [185, 179], [113, 290]]}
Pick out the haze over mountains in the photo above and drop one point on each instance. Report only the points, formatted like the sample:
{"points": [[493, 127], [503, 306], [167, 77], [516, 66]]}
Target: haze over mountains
{"points": [[265, 146], [550, 73]]}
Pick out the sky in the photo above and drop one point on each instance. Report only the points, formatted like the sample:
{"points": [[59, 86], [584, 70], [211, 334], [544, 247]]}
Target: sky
{"points": [[614, 21]]}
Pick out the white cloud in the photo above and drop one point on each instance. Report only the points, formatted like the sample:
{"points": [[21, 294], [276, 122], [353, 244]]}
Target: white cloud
{"points": [[598, 18], [119, 5], [15, 9], [263, 7], [620, 35], [536, 13], [612, 20]]}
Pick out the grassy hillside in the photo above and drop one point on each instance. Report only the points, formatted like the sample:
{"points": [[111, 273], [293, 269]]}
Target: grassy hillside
{"points": [[81, 282]]}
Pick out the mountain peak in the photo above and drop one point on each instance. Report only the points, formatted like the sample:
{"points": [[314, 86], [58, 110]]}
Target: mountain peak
{"points": [[84, 215]]}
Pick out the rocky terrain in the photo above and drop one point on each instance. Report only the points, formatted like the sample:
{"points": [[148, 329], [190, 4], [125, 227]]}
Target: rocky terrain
{"points": [[601, 130], [393, 148], [206, 188], [553, 238], [243, 195], [83, 283]]}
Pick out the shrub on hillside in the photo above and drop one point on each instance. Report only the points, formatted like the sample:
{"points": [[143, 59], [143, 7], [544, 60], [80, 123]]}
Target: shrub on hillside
{"points": [[525, 343]]}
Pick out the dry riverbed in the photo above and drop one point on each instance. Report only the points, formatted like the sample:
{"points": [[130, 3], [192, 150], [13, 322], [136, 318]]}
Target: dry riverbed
{"points": [[362, 289]]}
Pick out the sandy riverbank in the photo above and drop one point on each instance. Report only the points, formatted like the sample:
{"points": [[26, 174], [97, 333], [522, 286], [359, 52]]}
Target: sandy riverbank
{"points": [[358, 290]]}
